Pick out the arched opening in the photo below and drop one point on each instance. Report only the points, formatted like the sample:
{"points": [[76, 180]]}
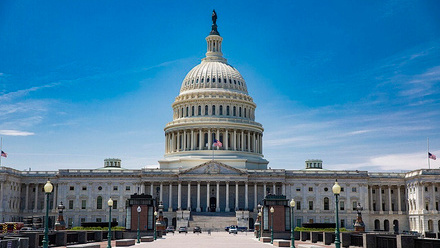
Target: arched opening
{"points": [[212, 204], [200, 110], [186, 114], [396, 226], [205, 143], [430, 226], [192, 111], [174, 222], [213, 109], [326, 203], [99, 202], [227, 110], [221, 110], [234, 111], [206, 109], [376, 225], [386, 225], [239, 111]]}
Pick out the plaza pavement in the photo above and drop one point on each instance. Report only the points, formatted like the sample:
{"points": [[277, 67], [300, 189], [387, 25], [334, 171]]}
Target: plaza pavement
{"points": [[215, 240]]}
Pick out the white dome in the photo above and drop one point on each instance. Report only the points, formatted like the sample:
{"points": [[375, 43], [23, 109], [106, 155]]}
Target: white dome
{"points": [[213, 75]]}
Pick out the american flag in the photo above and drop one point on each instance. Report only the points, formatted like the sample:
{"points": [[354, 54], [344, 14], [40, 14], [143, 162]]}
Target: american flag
{"points": [[4, 154], [431, 156], [218, 143]]}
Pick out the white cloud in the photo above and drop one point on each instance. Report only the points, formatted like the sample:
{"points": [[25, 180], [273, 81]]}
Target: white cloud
{"points": [[15, 133], [24, 92]]}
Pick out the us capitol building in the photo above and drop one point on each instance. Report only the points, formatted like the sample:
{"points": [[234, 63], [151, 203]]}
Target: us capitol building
{"points": [[195, 176]]}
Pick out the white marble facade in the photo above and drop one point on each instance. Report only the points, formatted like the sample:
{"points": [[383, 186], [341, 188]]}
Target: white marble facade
{"points": [[194, 176]]}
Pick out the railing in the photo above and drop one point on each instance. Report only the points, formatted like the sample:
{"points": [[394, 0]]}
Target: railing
{"points": [[357, 240], [386, 242]]}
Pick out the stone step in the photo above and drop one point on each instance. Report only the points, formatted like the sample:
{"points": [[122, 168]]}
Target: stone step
{"points": [[213, 221]]}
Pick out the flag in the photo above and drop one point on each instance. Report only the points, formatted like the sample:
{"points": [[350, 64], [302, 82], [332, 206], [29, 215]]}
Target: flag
{"points": [[430, 155], [217, 143], [4, 154]]}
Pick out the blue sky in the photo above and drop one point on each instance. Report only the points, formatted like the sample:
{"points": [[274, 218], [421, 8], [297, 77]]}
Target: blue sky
{"points": [[354, 83]]}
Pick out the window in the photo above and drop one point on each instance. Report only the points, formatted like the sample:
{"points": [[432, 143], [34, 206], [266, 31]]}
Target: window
{"points": [[298, 205], [186, 112], [192, 111], [83, 204], [353, 189], [244, 112], [326, 204], [426, 206], [310, 188], [436, 206], [227, 110], [426, 189], [374, 191], [325, 189], [234, 111], [355, 205], [115, 204], [383, 191], [70, 204], [239, 111], [115, 188], [435, 189], [342, 205], [71, 188], [98, 220], [127, 187], [342, 189], [310, 205], [342, 223], [206, 109], [199, 111], [221, 110], [100, 188], [213, 109], [84, 188], [83, 220], [298, 189], [99, 202], [114, 220]]}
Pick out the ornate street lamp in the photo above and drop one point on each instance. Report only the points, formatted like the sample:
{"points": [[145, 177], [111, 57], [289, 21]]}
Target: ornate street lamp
{"points": [[48, 187], [271, 224], [138, 232], [292, 228], [109, 236], [261, 220], [155, 234], [336, 190]]}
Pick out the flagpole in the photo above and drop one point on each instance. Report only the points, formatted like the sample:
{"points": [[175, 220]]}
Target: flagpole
{"points": [[429, 162], [1, 149]]}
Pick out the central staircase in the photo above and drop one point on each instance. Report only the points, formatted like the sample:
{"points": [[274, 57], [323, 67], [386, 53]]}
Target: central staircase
{"points": [[212, 221]]}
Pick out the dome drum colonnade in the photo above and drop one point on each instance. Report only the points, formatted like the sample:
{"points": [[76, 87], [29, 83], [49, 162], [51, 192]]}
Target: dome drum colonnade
{"points": [[214, 104]]}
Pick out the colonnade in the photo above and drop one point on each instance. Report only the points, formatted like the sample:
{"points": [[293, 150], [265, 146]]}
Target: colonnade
{"points": [[39, 196], [203, 139], [219, 109], [383, 201]]}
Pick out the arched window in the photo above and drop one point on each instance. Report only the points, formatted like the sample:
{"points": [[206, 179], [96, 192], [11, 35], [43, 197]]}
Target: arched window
{"points": [[234, 111], [376, 224], [200, 110], [227, 110], [203, 79], [386, 225], [192, 111], [221, 110], [213, 109], [206, 140], [181, 113], [206, 109], [239, 111], [99, 202], [326, 204], [213, 79], [207, 80], [186, 114], [244, 112]]}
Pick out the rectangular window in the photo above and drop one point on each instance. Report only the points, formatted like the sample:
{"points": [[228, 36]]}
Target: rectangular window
{"points": [[83, 204], [426, 189], [436, 206], [114, 220], [70, 222], [84, 188], [115, 188], [435, 189], [374, 191], [298, 205], [70, 204], [310, 205], [342, 205], [115, 204], [355, 205], [127, 187], [299, 222], [310, 188], [342, 189], [298, 189], [392, 191], [72, 188], [83, 220], [426, 205], [98, 220], [353, 189], [342, 223], [383, 191]]}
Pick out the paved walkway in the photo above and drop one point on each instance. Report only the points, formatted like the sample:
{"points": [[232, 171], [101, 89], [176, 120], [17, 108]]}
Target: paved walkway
{"points": [[215, 240]]}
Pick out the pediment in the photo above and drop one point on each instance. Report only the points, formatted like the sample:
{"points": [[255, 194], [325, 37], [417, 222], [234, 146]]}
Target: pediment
{"points": [[213, 168]]}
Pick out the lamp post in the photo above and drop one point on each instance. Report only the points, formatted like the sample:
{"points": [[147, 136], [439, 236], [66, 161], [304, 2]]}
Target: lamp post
{"points": [[292, 228], [48, 187], [336, 190], [271, 224], [109, 236], [260, 221], [261, 226], [138, 232], [155, 234]]}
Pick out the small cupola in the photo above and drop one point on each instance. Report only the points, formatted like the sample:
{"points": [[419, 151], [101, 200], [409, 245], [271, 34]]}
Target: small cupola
{"points": [[112, 163], [313, 164]]}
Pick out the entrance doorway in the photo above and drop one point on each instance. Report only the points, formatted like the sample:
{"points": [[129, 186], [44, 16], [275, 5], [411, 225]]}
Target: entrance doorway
{"points": [[212, 204]]}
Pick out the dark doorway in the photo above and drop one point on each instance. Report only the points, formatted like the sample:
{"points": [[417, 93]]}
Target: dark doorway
{"points": [[174, 223], [212, 204], [396, 226], [386, 225]]}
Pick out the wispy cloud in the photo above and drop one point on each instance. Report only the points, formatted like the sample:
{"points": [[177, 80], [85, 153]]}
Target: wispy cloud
{"points": [[20, 93], [15, 133]]}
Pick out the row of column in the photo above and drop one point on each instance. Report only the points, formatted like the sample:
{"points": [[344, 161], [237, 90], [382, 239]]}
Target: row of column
{"points": [[194, 139], [380, 204], [422, 196], [36, 196], [213, 110]]}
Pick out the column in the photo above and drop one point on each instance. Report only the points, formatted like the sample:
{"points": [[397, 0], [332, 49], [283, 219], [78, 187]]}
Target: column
{"points": [[246, 196], [188, 205], [283, 189], [207, 196], [433, 198], [399, 203], [264, 190], [2, 202], [192, 139], [274, 189], [161, 192], [184, 140], [200, 140], [242, 140], [209, 139], [226, 140], [36, 197], [389, 200], [236, 196], [26, 203], [217, 198], [255, 198], [170, 198], [218, 137], [55, 196], [152, 189], [253, 142], [380, 199], [179, 196], [198, 197], [371, 198], [249, 142], [227, 197], [235, 140], [178, 142], [422, 199]]}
